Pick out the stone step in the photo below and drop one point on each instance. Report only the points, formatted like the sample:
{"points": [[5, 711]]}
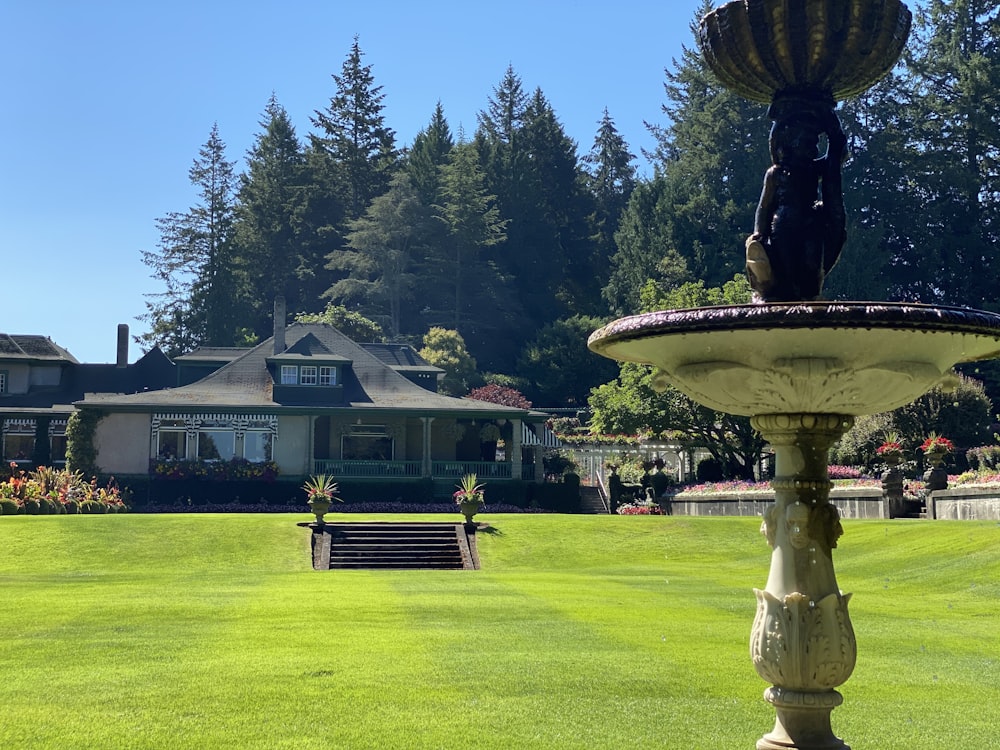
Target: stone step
{"points": [[393, 545]]}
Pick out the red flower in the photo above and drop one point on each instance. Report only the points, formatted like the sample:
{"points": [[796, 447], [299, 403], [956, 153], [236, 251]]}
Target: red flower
{"points": [[937, 444]]}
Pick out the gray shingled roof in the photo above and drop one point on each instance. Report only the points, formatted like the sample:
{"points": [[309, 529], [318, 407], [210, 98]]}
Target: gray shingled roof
{"points": [[33, 347], [213, 354], [246, 382], [401, 357]]}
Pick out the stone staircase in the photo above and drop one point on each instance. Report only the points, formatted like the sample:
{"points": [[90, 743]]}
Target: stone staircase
{"points": [[590, 500], [394, 546]]}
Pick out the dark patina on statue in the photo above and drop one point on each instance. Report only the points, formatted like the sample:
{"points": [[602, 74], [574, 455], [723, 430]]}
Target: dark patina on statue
{"points": [[800, 225], [801, 57]]}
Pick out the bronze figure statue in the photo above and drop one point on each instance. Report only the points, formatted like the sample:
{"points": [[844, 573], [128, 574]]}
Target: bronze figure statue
{"points": [[801, 57], [800, 225]]}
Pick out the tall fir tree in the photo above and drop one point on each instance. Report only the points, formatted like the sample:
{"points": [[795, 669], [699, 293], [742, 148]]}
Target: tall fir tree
{"points": [[382, 251], [612, 176], [271, 232], [194, 261], [428, 154], [470, 215], [558, 261], [353, 133], [712, 155]]}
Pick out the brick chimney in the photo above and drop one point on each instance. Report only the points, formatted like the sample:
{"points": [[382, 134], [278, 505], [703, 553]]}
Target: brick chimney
{"points": [[279, 324], [121, 355]]}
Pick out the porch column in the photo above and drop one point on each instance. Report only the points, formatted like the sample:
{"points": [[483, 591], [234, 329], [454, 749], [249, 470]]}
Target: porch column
{"points": [[426, 465], [515, 449], [311, 457]]}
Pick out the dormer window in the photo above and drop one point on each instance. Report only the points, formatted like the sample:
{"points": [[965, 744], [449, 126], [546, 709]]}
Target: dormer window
{"points": [[323, 375]]}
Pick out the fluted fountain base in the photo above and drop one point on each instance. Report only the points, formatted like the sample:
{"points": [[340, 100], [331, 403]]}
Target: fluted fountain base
{"points": [[803, 721]]}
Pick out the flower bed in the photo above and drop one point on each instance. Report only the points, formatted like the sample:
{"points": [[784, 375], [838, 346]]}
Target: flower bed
{"points": [[236, 469], [50, 491]]}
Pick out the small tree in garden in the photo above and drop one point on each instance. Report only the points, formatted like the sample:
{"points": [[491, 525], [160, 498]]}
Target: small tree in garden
{"points": [[500, 394], [446, 349]]}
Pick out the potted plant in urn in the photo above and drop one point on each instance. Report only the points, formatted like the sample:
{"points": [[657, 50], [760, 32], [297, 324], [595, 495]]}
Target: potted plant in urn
{"points": [[321, 491], [935, 448], [469, 496], [891, 450]]}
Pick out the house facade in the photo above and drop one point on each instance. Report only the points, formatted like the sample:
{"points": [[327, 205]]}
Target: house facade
{"points": [[312, 401], [40, 381]]}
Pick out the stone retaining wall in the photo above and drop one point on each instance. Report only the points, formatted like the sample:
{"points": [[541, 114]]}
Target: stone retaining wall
{"points": [[852, 503], [964, 504]]}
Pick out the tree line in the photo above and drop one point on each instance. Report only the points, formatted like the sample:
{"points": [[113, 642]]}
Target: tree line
{"points": [[504, 236], [523, 246]]}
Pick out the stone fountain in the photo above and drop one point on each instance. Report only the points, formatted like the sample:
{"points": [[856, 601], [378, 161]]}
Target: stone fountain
{"points": [[802, 368]]}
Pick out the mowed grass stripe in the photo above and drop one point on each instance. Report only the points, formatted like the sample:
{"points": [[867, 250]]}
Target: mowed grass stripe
{"points": [[212, 632]]}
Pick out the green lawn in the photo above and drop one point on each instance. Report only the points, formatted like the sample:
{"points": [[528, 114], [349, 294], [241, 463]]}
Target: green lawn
{"points": [[580, 632]]}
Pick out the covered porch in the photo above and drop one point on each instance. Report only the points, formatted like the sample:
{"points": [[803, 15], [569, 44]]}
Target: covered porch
{"points": [[420, 447]]}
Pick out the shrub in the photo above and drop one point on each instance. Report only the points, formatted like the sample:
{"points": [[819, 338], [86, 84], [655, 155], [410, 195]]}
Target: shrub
{"points": [[984, 457], [72, 507], [32, 507], [10, 507], [709, 470]]}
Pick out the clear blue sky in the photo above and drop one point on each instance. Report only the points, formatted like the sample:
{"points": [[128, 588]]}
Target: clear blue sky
{"points": [[108, 101]]}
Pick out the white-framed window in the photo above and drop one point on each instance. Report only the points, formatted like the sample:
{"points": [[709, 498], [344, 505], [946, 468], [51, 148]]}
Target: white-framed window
{"points": [[258, 445], [216, 444], [327, 375], [307, 375], [171, 440], [3, 381], [289, 375]]}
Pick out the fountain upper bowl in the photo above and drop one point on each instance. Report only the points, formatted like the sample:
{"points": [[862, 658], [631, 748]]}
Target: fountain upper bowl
{"points": [[834, 48]]}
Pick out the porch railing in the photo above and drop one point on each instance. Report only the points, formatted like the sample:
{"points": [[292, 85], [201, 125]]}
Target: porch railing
{"points": [[374, 469], [482, 469], [411, 469]]}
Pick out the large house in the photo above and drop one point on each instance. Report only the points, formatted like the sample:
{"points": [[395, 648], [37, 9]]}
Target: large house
{"points": [[312, 401], [40, 381]]}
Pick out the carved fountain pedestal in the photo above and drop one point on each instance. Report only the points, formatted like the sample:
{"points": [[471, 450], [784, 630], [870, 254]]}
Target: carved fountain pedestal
{"points": [[802, 372]]}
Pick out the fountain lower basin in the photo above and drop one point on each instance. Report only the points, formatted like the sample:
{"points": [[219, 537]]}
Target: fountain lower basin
{"points": [[847, 358]]}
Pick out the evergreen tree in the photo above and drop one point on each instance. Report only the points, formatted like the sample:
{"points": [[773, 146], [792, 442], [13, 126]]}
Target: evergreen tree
{"points": [[713, 155], [644, 251], [951, 78], [533, 169], [353, 133], [561, 369], [428, 154], [380, 255], [271, 233], [469, 213], [876, 262], [612, 178], [557, 259], [194, 262]]}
